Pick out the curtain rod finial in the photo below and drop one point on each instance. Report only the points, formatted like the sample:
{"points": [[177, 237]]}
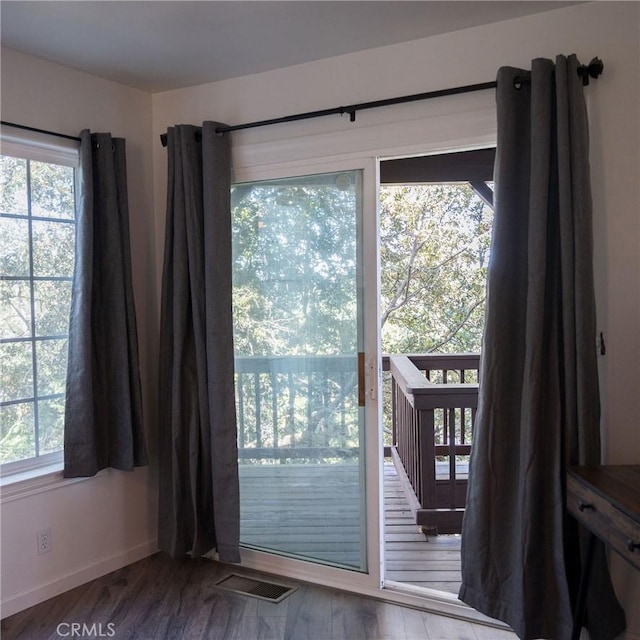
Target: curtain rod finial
{"points": [[594, 69]]}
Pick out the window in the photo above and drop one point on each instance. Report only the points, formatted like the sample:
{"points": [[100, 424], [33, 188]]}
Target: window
{"points": [[37, 246]]}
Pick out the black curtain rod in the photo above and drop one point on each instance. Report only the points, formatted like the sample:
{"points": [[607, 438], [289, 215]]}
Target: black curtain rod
{"points": [[352, 109], [593, 70], [49, 133]]}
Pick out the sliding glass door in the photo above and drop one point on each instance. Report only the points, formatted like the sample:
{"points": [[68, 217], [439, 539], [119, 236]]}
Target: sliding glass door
{"points": [[298, 333]]}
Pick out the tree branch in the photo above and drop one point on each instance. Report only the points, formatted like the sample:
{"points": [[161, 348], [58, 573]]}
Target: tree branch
{"points": [[459, 326], [402, 287]]}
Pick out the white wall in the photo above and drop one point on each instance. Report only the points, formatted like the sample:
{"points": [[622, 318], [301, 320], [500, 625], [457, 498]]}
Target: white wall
{"points": [[610, 30], [106, 522]]}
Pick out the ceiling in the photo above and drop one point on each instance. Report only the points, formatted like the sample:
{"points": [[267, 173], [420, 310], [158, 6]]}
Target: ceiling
{"points": [[161, 45]]}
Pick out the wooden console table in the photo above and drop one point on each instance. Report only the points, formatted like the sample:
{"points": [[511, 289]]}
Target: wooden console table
{"points": [[606, 500]]}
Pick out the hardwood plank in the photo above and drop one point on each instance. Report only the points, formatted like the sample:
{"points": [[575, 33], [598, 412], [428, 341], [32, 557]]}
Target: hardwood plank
{"points": [[395, 621], [259, 619], [491, 633], [426, 565], [403, 536], [309, 614], [400, 527], [410, 556], [430, 574], [269, 628], [353, 617], [305, 510], [401, 545], [302, 537], [441, 628], [419, 554]]}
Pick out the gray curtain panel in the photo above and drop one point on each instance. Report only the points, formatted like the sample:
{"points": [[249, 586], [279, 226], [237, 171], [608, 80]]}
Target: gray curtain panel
{"points": [[199, 491], [103, 414], [539, 402]]}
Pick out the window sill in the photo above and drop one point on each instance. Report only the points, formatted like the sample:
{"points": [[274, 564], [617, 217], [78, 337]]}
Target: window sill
{"points": [[27, 483]]}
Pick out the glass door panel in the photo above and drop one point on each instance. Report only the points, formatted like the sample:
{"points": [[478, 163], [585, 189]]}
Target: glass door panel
{"points": [[298, 333]]}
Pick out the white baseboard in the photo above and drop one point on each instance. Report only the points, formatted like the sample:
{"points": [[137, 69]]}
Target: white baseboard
{"points": [[21, 601]]}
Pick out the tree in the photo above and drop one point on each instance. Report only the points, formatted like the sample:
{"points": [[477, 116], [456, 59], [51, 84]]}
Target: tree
{"points": [[295, 301], [434, 251], [295, 266]]}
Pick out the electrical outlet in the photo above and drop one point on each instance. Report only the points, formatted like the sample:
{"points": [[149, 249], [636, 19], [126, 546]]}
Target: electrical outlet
{"points": [[44, 541]]}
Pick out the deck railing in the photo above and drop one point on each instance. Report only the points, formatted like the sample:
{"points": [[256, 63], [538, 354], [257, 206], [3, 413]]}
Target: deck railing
{"points": [[297, 407], [434, 400], [306, 408]]}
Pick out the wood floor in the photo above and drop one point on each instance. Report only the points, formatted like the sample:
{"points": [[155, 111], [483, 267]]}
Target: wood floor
{"points": [[161, 599], [411, 557]]}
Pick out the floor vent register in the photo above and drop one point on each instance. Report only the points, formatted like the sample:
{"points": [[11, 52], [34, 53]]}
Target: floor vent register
{"points": [[270, 591]]}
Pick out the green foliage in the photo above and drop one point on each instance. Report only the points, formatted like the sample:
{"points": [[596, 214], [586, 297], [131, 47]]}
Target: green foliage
{"points": [[17, 371], [51, 423], [17, 435], [13, 185], [295, 301], [52, 191], [434, 253], [295, 266]]}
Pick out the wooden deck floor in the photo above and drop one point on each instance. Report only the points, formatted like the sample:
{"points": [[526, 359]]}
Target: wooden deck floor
{"points": [[305, 510], [411, 557], [313, 511]]}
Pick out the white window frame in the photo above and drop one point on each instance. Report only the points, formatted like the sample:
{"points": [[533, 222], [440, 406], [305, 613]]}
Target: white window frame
{"points": [[39, 147]]}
